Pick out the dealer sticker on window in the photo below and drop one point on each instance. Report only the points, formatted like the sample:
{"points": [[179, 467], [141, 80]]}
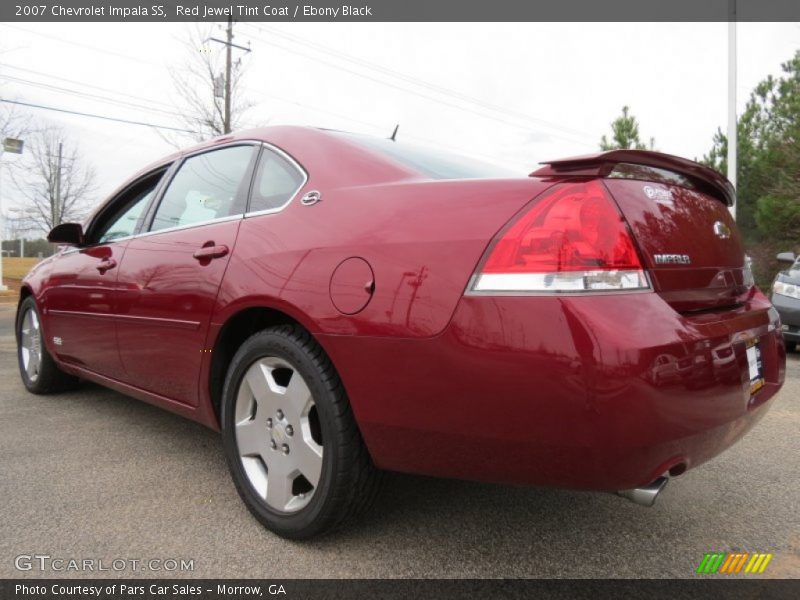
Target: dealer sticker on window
{"points": [[755, 366]]}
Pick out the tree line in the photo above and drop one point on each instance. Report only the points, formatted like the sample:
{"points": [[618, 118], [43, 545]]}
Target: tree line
{"points": [[768, 166]]}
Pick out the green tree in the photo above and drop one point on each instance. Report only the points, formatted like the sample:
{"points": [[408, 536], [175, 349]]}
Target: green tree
{"points": [[768, 158], [625, 134]]}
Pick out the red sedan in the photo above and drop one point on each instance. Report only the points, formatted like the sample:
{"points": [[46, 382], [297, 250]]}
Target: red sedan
{"points": [[338, 305]]}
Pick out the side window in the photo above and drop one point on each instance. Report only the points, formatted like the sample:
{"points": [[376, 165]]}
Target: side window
{"points": [[276, 181], [206, 187], [122, 221]]}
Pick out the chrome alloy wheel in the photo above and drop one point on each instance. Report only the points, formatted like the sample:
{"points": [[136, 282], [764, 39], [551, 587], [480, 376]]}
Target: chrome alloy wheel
{"points": [[278, 435], [31, 345]]}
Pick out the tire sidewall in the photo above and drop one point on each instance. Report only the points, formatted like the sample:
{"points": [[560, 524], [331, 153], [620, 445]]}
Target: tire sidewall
{"points": [[306, 521], [27, 305]]}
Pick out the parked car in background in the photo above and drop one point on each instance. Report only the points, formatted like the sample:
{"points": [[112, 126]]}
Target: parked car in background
{"points": [[786, 299], [338, 304]]}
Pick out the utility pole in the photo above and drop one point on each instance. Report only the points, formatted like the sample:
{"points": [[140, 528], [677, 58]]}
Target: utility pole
{"points": [[228, 51], [229, 46], [732, 127]]}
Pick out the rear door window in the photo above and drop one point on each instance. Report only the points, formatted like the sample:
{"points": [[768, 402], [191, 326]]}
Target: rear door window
{"points": [[208, 186], [277, 180]]}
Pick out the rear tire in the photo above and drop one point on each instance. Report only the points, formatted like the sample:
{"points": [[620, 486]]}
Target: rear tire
{"points": [[791, 346], [292, 445], [39, 372]]}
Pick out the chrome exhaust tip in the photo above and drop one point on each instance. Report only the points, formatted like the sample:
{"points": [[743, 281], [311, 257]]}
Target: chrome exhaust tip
{"points": [[645, 496]]}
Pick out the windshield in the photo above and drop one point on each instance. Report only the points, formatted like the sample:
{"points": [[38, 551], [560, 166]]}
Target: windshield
{"points": [[435, 164]]}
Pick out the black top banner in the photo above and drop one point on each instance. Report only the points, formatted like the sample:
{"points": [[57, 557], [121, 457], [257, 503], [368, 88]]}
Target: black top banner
{"points": [[399, 10]]}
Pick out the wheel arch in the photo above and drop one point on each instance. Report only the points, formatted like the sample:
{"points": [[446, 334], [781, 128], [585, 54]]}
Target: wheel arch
{"points": [[24, 292], [235, 329]]}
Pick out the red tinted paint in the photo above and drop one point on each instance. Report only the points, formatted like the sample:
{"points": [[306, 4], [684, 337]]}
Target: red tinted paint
{"points": [[589, 390]]}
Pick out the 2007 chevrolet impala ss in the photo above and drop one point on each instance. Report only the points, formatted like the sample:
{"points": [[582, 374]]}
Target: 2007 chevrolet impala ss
{"points": [[337, 305]]}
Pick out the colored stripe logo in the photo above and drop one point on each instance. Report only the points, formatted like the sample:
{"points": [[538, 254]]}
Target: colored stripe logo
{"points": [[733, 562]]}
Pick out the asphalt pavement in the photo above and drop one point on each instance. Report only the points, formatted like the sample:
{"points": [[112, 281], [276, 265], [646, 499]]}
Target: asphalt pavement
{"points": [[95, 475]]}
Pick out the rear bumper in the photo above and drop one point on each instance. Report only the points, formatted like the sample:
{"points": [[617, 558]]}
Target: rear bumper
{"points": [[789, 311], [604, 392]]}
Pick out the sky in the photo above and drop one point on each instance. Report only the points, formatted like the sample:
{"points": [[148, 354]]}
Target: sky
{"points": [[513, 93]]}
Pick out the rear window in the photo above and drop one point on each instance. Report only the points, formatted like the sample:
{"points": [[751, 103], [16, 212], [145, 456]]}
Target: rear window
{"points": [[435, 164], [654, 174]]}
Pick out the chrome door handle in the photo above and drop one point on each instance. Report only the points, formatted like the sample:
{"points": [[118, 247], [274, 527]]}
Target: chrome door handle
{"points": [[208, 252]]}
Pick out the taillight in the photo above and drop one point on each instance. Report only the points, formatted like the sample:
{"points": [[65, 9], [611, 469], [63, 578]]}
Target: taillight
{"points": [[572, 240]]}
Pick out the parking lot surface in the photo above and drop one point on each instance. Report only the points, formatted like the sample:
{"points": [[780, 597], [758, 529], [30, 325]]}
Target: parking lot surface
{"points": [[93, 474]]}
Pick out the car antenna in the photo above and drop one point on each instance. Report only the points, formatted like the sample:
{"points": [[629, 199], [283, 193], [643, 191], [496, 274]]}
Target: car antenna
{"points": [[394, 133]]}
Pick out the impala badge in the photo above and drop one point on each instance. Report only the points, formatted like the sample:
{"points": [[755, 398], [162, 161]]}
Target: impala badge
{"points": [[721, 230], [672, 259]]}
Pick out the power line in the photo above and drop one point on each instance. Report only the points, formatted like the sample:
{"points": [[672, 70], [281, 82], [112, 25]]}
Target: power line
{"points": [[382, 127], [433, 87], [94, 116], [114, 101], [260, 93], [366, 64], [574, 134], [84, 84], [109, 90], [86, 46], [80, 94], [397, 87], [228, 91], [416, 80]]}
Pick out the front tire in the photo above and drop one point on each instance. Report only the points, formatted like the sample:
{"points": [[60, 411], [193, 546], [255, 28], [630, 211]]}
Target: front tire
{"points": [[291, 442], [791, 346], [39, 372]]}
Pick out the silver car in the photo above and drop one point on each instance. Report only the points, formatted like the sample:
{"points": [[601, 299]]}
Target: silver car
{"points": [[786, 299]]}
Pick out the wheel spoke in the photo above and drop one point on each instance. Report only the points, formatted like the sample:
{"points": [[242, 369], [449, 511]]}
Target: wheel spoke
{"points": [[307, 456], [279, 485], [251, 438], [256, 473], [260, 381], [26, 322], [26, 331], [297, 399], [32, 368]]}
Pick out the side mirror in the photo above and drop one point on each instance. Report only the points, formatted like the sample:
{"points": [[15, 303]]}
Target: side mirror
{"points": [[786, 257], [70, 234]]}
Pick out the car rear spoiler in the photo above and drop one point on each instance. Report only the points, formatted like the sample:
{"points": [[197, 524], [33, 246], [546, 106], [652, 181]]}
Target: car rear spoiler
{"points": [[601, 165]]}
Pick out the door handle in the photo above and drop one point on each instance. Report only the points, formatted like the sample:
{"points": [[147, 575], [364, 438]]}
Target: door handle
{"points": [[208, 252], [106, 264]]}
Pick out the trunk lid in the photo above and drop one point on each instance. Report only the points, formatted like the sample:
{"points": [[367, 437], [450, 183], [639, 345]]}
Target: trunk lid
{"points": [[677, 212]]}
